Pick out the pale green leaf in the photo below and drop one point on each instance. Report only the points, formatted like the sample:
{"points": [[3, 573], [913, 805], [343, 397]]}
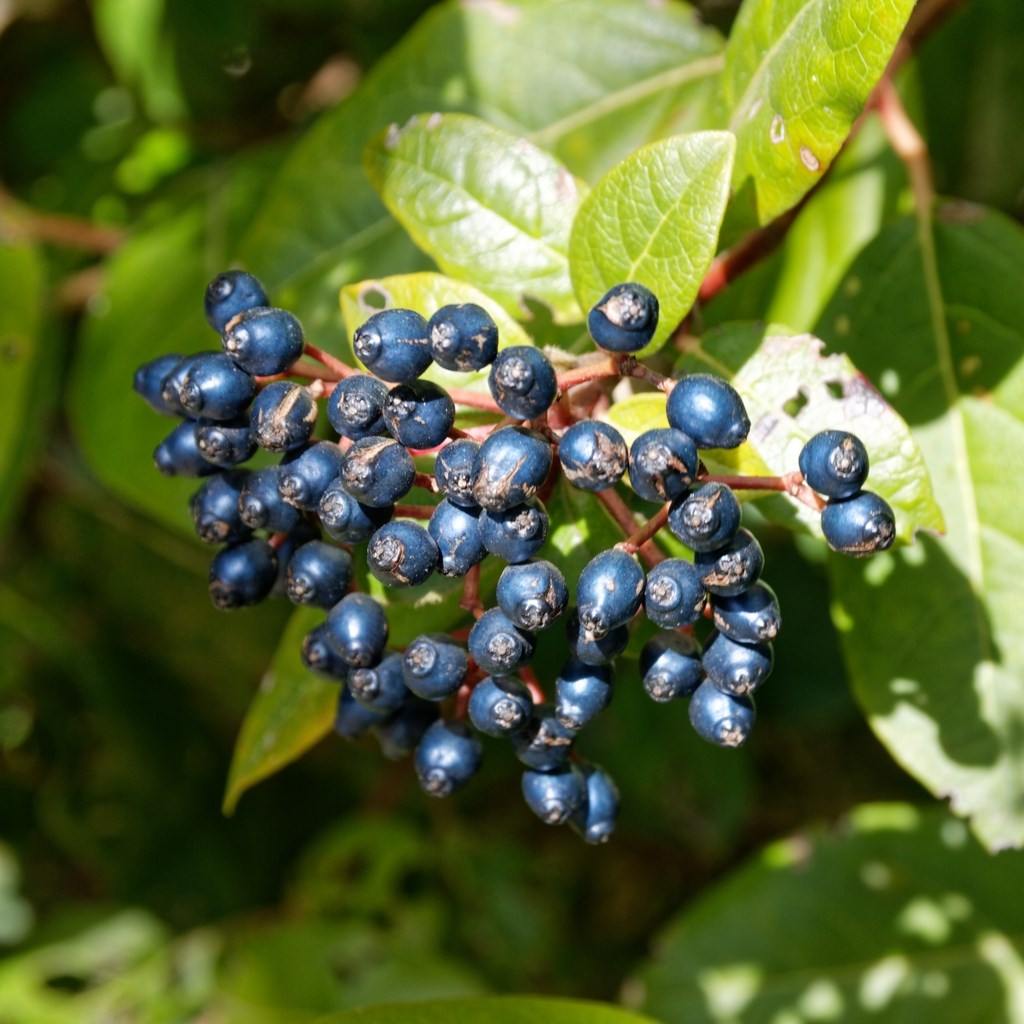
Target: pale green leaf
{"points": [[797, 74], [493, 1010], [934, 637], [637, 414], [654, 219], [895, 915], [486, 205]]}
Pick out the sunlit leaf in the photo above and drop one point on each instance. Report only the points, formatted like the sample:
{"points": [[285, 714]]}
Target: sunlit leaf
{"points": [[496, 1010]]}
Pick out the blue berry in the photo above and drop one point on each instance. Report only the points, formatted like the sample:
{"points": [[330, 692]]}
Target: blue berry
{"points": [[346, 519], [377, 471], [522, 381], [662, 463], [709, 409], [242, 574], [625, 319], [730, 569], [355, 407], [307, 472], [402, 554], [319, 656], [834, 463], [178, 453], [593, 455], [170, 390], [594, 650], [456, 532], [497, 645], [555, 796], [264, 341], [509, 467], [453, 471], [379, 686], [286, 545], [260, 503], [447, 757], [670, 666], [352, 719], [393, 345], [609, 592], [532, 594], [226, 443], [544, 744], [283, 416], [215, 388], [463, 337], [403, 730], [229, 294], [215, 509], [149, 381], [318, 573], [500, 705], [735, 668], [595, 820], [674, 594], [357, 629], [719, 717], [515, 534], [434, 666], [581, 692], [861, 525], [750, 617], [706, 518], [419, 414]]}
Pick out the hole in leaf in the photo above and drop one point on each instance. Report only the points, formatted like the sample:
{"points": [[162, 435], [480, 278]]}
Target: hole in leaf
{"points": [[835, 389], [795, 404], [373, 296]]}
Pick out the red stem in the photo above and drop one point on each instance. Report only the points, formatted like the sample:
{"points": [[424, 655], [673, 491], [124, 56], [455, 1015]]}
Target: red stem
{"points": [[636, 540], [622, 515], [529, 677], [415, 511], [331, 362]]}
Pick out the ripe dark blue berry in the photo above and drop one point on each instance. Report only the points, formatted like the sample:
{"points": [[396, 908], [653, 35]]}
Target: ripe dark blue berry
{"points": [[515, 534], [215, 509], [522, 382], [170, 390], [532, 594], [834, 463], [229, 294], [377, 471], [393, 345], [286, 545], [242, 574], [593, 455], [555, 796], [463, 337], [625, 319], [319, 656], [674, 594], [861, 525], [447, 757], [346, 519], [595, 820], [283, 416], [434, 666], [226, 443], [402, 554], [402, 730], [149, 381], [456, 532], [750, 617], [355, 407], [453, 471], [545, 743], [719, 717], [352, 719], [737, 668], [318, 573], [509, 467], [670, 666], [497, 645], [379, 686], [709, 409], [706, 518], [581, 692], [662, 463], [594, 650], [609, 592], [419, 414], [260, 503], [500, 705], [178, 453], [357, 629], [306, 473], [730, 569], [264, 341], [215, 388]]}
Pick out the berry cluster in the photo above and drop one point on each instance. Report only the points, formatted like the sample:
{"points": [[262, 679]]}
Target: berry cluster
{"points": [[434, 697]]}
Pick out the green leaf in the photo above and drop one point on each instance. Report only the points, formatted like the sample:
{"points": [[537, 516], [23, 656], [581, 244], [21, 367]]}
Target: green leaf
{"points": [[494, 1010], [23, 364], [791, 391], [797, 74], [934, 638], [292, 710], [487, 205], [638, 413], [654, 219], [894, 915]]}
